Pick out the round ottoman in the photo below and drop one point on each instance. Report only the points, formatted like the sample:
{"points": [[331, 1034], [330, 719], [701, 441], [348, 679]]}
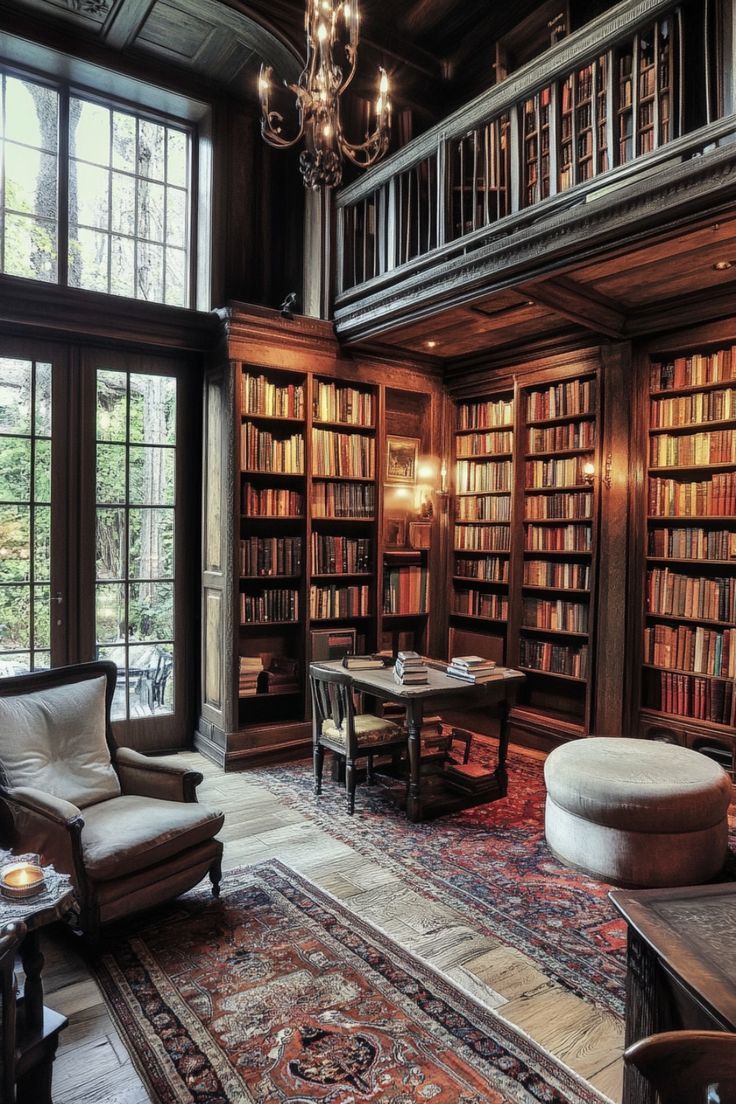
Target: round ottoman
{"points": [[637, 812]]}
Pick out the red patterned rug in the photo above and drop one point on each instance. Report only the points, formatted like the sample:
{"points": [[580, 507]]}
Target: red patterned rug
{"points": [[277, 992], [490, 863]]}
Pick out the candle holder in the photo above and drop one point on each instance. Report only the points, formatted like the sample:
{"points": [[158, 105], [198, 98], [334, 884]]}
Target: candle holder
{"points": [[22, 878]]}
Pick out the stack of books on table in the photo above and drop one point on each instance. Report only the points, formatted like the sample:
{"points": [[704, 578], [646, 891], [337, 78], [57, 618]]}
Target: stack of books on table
{"points": [[409, 669], [473, 668], [250, 669]]}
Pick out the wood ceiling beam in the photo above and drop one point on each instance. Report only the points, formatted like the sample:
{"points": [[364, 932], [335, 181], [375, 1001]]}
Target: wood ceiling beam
{"points": [[586, 308]]}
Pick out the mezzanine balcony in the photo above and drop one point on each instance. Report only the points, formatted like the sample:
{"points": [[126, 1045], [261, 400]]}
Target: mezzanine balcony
{"points": [[623, 130]]}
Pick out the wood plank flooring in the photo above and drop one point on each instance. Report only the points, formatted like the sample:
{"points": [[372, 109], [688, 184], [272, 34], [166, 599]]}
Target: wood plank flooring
{"points": [[93, 1066]]}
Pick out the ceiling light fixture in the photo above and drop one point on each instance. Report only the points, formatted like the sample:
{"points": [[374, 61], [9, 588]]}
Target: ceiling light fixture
{"points": [[723, 266], [330, 28]]}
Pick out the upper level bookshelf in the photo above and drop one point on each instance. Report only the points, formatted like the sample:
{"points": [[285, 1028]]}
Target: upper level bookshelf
{"points": [[689, 618]]}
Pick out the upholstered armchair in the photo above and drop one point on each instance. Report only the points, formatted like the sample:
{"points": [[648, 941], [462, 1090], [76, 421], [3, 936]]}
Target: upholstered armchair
{"points": [[127, 828]]}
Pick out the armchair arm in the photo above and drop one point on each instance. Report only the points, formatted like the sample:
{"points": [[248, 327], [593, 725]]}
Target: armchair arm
{"points": [[47, 825], [149, 777]]}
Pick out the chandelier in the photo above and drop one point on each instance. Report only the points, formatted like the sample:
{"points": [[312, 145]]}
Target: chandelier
{"points": [[330, 28]]}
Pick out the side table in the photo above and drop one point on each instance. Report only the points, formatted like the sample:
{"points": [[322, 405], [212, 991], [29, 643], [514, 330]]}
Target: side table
{"points": [[37, 1027]]}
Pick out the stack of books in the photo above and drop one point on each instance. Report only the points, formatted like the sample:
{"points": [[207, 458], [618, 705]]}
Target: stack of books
{"points": [[363, 662], [409, 669], [250, 669], [473, 668], [283, 675]]}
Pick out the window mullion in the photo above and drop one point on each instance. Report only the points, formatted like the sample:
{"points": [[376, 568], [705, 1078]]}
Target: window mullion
{"points": [[63, 198]]}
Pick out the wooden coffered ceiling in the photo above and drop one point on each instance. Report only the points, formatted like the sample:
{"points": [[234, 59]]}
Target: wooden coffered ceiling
{"points": [[659, 285]]}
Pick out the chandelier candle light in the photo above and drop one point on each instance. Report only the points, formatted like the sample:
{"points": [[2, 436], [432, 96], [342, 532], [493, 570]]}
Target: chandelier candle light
{"points": [[329, 27]]}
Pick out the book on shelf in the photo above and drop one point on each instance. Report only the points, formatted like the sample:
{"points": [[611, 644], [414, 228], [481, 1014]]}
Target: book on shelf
{"points": [[342, 454], [489, 443], [267, 673], [484, 508], [699, 449], [559, 659], [269, 606], [477, 603], [560, 615], [693, 370], [483, 475], [670, 593], [262, 396], [702, 699], [699, 651], [692, 543], [340, 555], [562, 400], [569, 435], [562, 538], [560, 506], [264, 556], [363, 662], [406, 589], [695, 408], [490, 569], [271, 502], [333, 602], [567, 472], [262, 451], [482, 538], [335, 402], [486, 415], [562, 576], [712, 497], [250, 670], [344, 500]]}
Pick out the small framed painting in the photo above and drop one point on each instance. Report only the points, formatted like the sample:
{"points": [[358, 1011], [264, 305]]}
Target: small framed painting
{"points": [[394, 530], [401, 459], [420, 534]]}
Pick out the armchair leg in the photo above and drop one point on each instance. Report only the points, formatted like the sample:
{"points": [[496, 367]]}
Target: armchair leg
{"points": [[319, 759], [350, 785], [369, 775], [216, 876]]}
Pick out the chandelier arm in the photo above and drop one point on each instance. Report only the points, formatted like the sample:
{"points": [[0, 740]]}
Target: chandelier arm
{"points": [[353, 58]]}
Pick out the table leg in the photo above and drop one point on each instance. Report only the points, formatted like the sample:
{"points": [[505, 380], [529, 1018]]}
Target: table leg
{"points": [[414, 728], [32, 960], [503, 746], [645, 1012]]}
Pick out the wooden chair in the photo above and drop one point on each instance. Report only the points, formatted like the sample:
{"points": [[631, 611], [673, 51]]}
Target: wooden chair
{"points": [[347, 734], [687, 1067], [11, 937]]}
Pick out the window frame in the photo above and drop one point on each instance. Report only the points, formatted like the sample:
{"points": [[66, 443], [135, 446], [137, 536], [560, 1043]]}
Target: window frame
{"points": [[195, 120]]}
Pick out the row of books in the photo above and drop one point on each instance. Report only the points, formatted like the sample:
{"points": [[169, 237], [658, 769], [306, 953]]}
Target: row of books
{"points": [[344, 500], [271, 556], [554, 472], [340, 555], [693, 370], [488, 414], [490, 475], [482, 538], [410, 669], [336, 403], [330, 602], [484, 508], [261, 451], [479, 603], [561, 400], [558, 659], [700, 651], [714, 497], [570, 435], [343, 454], [485, 444], [675, 595], [269, 606], [561, 615], [559, 506], [689, 696], [492, 569], [698, 407], [693, 543], [406, 589], [250, 670], [264, 674], [261, 395], [271, 502], [559, 538], [716, 447], [550, 573]]}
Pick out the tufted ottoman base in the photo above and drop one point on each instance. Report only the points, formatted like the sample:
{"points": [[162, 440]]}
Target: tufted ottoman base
{"points": [[636, 813]]}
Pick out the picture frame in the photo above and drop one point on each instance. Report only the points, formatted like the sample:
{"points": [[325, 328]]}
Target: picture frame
{"points": [[402, 455], [420, 534], [394, 530]]}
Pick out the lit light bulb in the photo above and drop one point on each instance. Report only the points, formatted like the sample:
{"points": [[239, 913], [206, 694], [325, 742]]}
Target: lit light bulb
{"points": [[383, 84], [327, 131], [588, 472], [263, 84], [321, 32], [346, 12]]}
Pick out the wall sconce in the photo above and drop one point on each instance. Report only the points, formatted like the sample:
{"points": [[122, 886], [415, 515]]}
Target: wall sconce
{"points": [[588, 473]]}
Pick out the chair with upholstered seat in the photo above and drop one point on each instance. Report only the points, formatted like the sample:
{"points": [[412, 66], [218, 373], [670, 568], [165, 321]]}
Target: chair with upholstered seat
{"points": [[349, 735], [126, 827], [687, 1067]]}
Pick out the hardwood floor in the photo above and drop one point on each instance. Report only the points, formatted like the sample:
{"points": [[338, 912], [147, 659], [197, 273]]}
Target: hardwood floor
{"points": [[93, 1066]]}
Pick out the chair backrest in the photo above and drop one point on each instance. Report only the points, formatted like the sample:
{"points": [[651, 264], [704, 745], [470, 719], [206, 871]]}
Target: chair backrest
{"points": [[331, 698], [10, 939], [687, 1067]]}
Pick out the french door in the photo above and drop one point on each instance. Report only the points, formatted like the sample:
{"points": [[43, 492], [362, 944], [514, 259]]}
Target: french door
{"points": [[98, 497]]}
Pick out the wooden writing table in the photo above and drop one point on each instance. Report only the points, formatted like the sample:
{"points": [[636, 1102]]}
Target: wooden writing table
{"points": [[440, 690], [681, 965]]}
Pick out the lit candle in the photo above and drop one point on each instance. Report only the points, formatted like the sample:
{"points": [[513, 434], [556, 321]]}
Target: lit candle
{"points": [[21, 879]]}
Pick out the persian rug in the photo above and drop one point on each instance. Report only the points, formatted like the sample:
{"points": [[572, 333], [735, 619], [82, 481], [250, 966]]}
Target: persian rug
{"points": [[489, 863], [277, 992]]}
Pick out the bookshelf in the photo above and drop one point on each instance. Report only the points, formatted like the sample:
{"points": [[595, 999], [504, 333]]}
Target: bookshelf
{"points": [[481, 530], [536, 121], [689, 582], [648, 109], [555, 544]]}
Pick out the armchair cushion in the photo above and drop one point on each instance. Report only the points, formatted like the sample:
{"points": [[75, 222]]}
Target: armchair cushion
{"points": [[368, 730], [129, 833], [54, 740]]}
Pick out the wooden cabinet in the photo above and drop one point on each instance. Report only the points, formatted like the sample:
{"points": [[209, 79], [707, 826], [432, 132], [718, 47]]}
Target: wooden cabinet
{"points": [[305, 543]]}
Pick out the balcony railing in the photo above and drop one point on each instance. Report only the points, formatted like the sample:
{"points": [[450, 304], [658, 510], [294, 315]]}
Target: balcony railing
{"points": [[594, 111]]}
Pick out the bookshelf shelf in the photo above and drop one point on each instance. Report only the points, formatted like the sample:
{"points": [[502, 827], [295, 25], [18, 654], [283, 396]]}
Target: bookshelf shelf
{"points": [[553, 675], [555, 590], [586, 416], [348, 427], [247, 415], [350, 520], [262, 473], [480, 582], [553, 632], [541, 453], [342, 478], [691, 704], [269, 578], [561, 489], [478, 617]]}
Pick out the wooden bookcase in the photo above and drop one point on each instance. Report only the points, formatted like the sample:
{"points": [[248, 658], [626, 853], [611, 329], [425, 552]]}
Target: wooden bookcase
{"points": [[648, 111], [688, 627], [295, 437], [481, 524]]}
